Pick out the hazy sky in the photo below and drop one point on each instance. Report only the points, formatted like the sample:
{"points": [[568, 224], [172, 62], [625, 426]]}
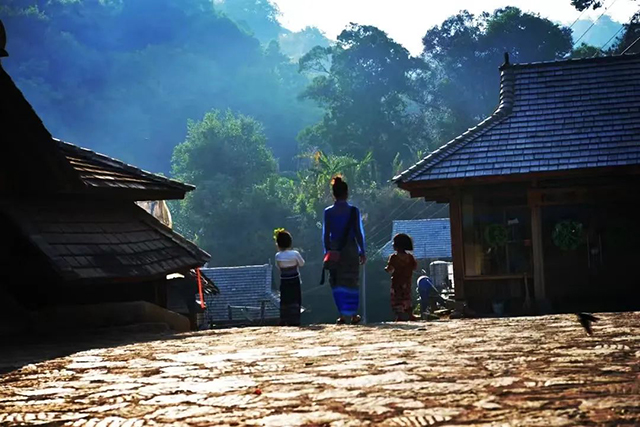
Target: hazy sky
{"points": [[406, 21]]}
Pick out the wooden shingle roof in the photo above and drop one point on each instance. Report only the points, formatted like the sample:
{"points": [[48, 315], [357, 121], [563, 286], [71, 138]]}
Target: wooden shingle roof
{"points": [[101, 240], [98, 171], [554, 116]]}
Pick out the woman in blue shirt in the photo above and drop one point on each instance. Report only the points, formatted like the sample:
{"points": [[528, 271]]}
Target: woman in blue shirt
{"points": [[344, 279]]}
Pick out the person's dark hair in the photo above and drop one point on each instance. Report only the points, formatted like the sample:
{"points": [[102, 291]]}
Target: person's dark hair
{"points": [[402, 242], [284, 240], [339, 187]]}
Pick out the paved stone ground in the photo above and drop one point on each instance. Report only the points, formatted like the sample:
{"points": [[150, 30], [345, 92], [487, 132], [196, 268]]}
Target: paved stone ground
{"points": [[542, 371]]}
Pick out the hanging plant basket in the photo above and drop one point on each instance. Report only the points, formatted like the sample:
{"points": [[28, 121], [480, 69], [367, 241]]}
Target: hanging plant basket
{"points": [[496, 235], [568, 235]]}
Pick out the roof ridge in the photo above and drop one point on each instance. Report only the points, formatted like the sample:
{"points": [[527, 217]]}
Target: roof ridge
{"points": [[507, 88], [422, 219], [582, 114], [115, 162], [573, 61], [235, 267]]}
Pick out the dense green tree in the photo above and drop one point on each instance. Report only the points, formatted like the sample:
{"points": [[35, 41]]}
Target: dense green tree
{"points": [[365, 84], [586, 4], [630, 40], [467, 50], [230, 214]]}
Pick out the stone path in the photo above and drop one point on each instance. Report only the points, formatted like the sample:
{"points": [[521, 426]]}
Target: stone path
{"points": [[541, 371]]}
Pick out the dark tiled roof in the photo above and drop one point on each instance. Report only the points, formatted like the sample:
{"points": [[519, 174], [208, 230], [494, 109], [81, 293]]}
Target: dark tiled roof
{"points": [[241, 286], [100, 171], [431, 238], [103, 241], [553, 116]]}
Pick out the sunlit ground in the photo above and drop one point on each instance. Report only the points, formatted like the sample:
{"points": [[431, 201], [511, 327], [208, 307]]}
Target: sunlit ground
{"points": [[542, 371]]}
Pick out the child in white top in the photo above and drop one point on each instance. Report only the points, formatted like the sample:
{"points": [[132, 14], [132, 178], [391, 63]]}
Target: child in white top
{"points": [[288, 261], [289, 258]]}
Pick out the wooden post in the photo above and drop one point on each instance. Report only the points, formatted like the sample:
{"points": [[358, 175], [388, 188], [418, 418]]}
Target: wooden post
{"points": [[538, 255], [457, 244], [230, 312]]}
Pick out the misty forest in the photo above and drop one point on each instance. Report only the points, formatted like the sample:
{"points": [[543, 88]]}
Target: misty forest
{"points": [[259, 118]]}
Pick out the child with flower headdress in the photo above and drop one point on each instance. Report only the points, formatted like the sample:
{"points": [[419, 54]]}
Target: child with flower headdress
{"points": [[288, 261]]}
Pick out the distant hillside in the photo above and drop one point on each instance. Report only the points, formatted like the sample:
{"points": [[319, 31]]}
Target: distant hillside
{"points": [[124, 77], [260, 19]]}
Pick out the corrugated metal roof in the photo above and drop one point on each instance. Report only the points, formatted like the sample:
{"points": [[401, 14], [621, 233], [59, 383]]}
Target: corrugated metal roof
{"points": [[241, 286], [553, 116], [431, 237]]}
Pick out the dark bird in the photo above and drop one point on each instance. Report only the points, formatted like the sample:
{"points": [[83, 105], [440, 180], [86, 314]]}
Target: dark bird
{"points": [[585, 320]]}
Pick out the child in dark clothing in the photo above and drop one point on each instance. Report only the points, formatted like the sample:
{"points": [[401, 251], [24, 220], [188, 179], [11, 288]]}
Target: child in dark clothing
{"points": [[401, 266], [289, 261]]}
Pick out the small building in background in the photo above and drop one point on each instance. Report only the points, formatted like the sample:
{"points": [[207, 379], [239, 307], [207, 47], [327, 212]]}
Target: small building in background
{"points": [[431, 247], [431, 238], [245, 296], [543, 195]]}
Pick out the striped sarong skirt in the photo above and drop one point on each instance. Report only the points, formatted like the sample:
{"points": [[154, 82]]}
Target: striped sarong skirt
{"points": [[345, 281], [290, 297]]}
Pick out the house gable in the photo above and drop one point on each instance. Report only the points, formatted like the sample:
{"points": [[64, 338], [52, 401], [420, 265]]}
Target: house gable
{"points": [[553, 117]]}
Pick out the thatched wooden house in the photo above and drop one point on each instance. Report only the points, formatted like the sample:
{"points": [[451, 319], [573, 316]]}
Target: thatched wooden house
{"points": [[72, 232], [544, 193]]}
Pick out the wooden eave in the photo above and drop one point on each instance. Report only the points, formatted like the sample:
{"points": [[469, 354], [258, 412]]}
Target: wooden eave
{"points": [[443, 188]]}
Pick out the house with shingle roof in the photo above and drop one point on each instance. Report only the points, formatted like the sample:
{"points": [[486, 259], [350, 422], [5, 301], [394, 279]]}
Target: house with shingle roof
{"points": [[431, 238], [71, 224], [543, 194], [245, 295]]}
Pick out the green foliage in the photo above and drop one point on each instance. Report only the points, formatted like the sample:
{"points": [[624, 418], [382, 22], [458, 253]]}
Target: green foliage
{"points": [[586, 4], [496, 235], [629, 42], [365, 83], [226, 156], [467, 51], [568, 235], [586, 51]]}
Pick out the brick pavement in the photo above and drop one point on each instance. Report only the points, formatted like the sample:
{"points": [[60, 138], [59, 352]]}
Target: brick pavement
{"points": [[541, 371]]}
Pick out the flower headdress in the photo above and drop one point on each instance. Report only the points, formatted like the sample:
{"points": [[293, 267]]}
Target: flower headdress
{"points": [[276, 232]]}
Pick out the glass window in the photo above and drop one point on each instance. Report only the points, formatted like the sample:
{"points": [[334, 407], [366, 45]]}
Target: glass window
{"points": [[496, 235]]}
